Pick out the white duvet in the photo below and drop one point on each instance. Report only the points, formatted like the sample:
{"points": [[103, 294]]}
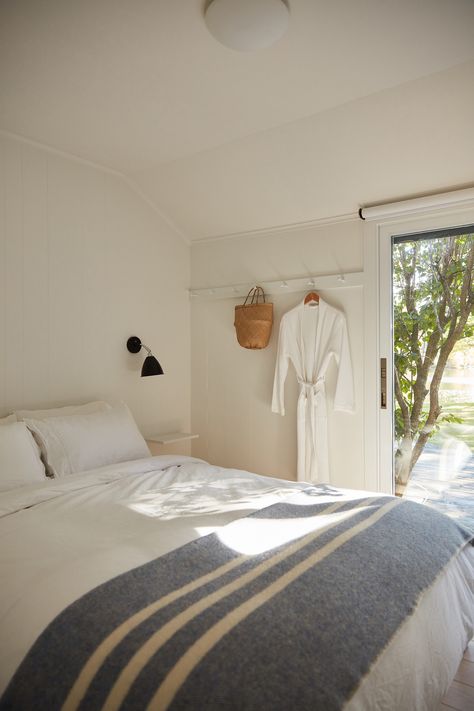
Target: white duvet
{"points": [[59, 539]]}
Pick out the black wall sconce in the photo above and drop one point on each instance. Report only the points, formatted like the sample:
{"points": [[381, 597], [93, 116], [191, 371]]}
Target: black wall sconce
{"points": [[150, 364]]}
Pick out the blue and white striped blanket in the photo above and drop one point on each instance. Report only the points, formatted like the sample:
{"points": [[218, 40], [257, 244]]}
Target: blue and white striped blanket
{"points": [[204, 627]]}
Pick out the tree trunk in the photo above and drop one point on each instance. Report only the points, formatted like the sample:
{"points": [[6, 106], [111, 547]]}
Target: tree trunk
{"points": [[403, 461]]}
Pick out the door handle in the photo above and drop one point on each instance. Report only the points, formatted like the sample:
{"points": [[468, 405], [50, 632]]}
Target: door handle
{"points": [[383, 383]]}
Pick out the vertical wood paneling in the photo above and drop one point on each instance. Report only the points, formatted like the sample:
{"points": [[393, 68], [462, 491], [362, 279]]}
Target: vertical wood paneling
{"points": [[66, 275], [199, 379], [232, 413], [95, 266], [14, 293], [84, 263], [3, 267], [35, 275]]}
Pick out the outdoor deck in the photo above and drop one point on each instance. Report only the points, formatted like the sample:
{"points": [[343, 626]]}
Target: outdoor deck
{"points": [[444, 479]]}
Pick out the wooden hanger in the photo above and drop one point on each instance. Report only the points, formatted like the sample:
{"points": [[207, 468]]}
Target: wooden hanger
{"points": [[312, 296]]}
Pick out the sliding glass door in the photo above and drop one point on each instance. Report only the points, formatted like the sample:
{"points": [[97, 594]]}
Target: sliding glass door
{"points": [[427, 372]]}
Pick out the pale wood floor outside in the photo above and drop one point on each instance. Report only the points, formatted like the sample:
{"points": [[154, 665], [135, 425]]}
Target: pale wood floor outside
{"points": [[460, 695]]}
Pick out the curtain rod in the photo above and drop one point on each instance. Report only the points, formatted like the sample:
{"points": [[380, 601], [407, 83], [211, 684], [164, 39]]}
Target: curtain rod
{"points": [[455, 198], [322, 282]]}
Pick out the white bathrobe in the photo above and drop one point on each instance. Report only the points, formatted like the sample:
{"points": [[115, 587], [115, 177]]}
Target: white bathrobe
{"points": [[310, 334]]}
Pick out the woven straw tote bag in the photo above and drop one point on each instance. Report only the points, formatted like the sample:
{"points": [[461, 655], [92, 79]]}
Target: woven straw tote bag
{"points": [[253, 320]]}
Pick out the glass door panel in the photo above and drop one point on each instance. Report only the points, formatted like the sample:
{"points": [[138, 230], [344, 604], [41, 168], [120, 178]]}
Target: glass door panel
{"points": [[433, 369]]}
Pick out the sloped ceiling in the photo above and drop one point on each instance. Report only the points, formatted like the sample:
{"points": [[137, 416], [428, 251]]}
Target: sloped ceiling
{"points": [[362, 100]]}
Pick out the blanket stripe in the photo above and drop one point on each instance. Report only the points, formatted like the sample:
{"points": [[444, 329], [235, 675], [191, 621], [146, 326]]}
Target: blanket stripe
{"points": [[181, 671], [159, 638], [133, 668]]}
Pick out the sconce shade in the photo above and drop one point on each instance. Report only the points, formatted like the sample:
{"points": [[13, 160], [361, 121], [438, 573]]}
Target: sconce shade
{"points": [[151, 367]]}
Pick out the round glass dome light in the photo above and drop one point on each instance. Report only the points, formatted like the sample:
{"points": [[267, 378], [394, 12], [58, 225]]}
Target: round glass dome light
{"points": [[247, 25]]}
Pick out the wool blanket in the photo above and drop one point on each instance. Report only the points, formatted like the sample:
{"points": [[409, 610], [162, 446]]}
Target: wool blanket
{"points": [[206, 627]]}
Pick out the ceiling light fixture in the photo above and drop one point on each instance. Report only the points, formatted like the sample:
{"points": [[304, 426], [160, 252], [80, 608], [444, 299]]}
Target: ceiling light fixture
{"points": [[247, 25]]}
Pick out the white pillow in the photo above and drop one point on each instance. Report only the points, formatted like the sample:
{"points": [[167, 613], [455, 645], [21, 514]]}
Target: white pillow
{"points": [[8, 419], [81, 442], [19, 458], [89, 407]]}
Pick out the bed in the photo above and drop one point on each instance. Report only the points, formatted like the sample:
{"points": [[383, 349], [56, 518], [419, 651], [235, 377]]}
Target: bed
{"points": [[89, 560]]}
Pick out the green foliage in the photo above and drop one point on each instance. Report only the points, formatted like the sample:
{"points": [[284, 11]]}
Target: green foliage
{"points": [[429, 300], [451, 418]]}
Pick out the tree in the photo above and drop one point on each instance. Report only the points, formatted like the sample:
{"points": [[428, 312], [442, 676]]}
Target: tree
{"points": [[433, 307]]}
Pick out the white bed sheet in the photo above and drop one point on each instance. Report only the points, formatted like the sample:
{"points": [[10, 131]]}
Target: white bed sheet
{"points": [[60, 539]]}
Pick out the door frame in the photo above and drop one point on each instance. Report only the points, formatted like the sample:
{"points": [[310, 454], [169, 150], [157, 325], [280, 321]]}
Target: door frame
{"points": [[378, 330]]}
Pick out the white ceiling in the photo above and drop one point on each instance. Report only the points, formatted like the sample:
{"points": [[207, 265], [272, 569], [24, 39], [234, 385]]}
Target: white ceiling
{"points": [[225, 141]]}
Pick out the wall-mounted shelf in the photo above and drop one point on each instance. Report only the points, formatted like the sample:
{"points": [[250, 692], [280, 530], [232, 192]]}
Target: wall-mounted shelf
{"points": [[322, 282], [170, 437]]}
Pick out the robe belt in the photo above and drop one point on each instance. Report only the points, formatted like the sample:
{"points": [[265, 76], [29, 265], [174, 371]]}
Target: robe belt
{"points": [[315, 393], [309, 389]]}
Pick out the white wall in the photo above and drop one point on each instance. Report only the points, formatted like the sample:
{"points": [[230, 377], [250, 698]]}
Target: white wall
{"points": [[232, 386], [85, 263], [385, 146]]}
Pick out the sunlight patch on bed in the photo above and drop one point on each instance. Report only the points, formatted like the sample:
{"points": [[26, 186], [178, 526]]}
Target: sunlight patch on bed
{"points": [[198, 499], [251, 536]]}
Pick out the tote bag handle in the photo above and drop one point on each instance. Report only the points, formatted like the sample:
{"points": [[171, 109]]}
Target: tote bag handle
{"points": [[254, 295]]}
